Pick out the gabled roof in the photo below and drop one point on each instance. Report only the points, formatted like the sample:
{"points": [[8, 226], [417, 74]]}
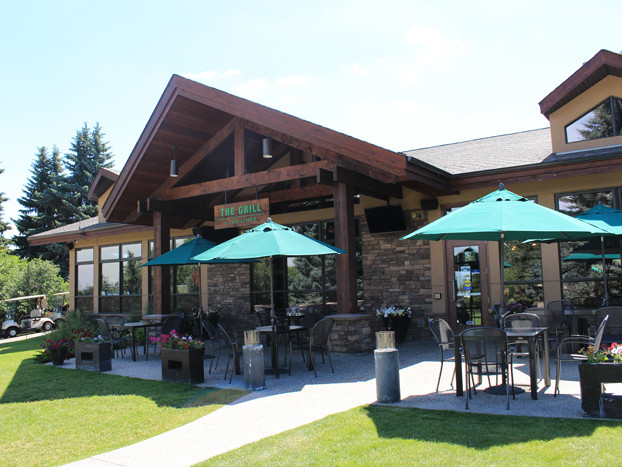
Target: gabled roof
{"points": [[495, 152], [104, 179], [189, 116], [603, 64]]}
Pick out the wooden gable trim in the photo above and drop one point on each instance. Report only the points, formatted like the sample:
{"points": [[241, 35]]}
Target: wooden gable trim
{"points": [[149, 132], [604, 63]]}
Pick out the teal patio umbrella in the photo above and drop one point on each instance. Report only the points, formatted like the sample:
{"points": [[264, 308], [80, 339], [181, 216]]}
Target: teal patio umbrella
{"points": [[266, 241], [503, 215], [609, 220], [184, 254]]}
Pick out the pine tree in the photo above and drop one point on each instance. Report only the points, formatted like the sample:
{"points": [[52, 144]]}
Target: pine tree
{"points": [[40, 209], [88, 153]]}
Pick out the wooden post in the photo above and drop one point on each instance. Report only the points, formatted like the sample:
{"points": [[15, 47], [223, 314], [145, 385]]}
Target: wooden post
{"points": [[344, 239], [239, 152], [161, 274]]}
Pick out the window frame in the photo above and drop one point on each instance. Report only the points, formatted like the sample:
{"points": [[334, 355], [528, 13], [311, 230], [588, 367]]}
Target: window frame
{"points": [[614, 123]]}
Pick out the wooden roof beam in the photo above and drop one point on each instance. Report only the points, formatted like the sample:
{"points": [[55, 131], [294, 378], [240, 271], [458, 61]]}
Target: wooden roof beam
{"points": [[245, 181], [363, 184]]}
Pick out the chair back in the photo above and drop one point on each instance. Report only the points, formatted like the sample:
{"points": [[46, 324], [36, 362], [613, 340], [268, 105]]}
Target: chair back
{"points": [[547, 320], [613, 332], [208, 330], [521, 320], [263, 316], [320, 332], [442, 333], [171, 323], [561, 308], [599, 333], [313, 314], [487, 347], [114, 319], [104, 329]]}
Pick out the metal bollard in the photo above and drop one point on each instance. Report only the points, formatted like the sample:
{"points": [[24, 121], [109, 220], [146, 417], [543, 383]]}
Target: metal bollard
{"points": [[254, 375], [387, 363]]}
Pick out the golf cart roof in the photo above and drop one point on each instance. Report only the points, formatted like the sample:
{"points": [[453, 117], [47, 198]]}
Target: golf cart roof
{"points": [[24, 298]]}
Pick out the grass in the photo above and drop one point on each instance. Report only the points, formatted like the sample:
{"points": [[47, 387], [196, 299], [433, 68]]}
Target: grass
{"points": [[51, 416], [379, 435]]}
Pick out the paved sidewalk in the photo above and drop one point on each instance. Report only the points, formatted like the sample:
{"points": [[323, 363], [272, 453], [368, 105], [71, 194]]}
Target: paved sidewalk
{"points": [[296, 400]]}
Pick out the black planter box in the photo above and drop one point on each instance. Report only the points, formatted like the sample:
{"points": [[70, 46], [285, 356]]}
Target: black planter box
{"points": [[593, 402], [94, 357], [182, 366]]}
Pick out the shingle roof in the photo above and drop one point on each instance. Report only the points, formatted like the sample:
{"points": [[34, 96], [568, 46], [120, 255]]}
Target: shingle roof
{"points": [[92, 223], [495, 152]]}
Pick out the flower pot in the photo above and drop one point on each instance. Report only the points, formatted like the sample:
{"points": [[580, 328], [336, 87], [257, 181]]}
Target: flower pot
{"points": [[182, 366], [58, 356], [94, 356], [399, 324], [592, 376]]}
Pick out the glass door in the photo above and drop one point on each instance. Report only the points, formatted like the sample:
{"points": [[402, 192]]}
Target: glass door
{"points": [[467, 284]]}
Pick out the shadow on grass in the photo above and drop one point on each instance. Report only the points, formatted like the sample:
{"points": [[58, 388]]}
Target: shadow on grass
{"points": [[28, 381], [477, 431]]}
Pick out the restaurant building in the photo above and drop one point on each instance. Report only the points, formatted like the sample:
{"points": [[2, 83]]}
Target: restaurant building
{"points": [[212, 164]]}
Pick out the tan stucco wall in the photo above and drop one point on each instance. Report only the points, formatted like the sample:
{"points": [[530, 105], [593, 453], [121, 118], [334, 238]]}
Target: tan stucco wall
{"points": [[610, 86]]}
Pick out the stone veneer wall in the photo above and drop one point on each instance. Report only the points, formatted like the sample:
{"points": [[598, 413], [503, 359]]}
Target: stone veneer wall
{"points": [[398, 272], [352, 333], [228, 288]]}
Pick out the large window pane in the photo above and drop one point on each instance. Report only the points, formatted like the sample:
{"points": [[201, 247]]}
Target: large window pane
{"points": [[132, 278], [84, 255], [131, 250], [85, 280], [110, 279], [109, 252], [601, 122]]}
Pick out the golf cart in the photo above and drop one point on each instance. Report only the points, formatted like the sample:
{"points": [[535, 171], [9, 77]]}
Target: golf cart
{"points": [[38, 319]]}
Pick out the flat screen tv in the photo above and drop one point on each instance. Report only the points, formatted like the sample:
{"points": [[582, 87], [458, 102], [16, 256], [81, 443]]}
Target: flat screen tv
{"points": [[383, 219]]}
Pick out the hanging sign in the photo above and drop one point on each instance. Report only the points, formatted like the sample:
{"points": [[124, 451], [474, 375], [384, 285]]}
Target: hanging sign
{"points": [[244, 214]]}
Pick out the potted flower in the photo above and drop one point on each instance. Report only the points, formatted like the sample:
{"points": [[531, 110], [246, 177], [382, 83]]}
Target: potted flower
{"points": [[57, 350], [395, 318], [93, 353], [182, 358], [602, 366]]}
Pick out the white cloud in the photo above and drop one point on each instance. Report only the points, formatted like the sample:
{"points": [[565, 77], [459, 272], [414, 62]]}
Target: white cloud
{"points": [[432, 45], [249, 88], [291, 81], [230, 73], [201, 76], [360, 70]]}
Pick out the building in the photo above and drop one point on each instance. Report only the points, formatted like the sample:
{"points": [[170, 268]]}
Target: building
{"points": [[204, 148]]}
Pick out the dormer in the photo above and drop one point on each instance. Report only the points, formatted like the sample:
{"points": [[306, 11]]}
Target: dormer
{"points": [[585, 111]]}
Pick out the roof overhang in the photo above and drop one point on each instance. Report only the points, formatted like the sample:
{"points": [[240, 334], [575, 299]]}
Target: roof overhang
{"points": [[603, 64]]}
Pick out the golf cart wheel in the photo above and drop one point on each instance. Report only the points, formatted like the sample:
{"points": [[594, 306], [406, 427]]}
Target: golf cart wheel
{"points": [[48, 326], [11, 332]]}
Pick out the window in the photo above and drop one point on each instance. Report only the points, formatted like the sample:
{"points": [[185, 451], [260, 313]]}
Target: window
{"points": [[603, 121], [85, 281], [120, 286], [522, 273], [184, 279], [304, 279], [581, 267]]}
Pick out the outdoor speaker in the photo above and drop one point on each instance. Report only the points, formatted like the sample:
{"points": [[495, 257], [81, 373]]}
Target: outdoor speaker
{"points": [[427, 204]]}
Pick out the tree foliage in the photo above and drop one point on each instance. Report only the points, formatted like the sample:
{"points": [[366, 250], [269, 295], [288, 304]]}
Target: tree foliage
{"points": [[21, 277], [88, 153], [3, 225]]}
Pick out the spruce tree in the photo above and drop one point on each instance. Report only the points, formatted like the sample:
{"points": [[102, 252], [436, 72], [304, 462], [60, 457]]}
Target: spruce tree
{"points": [[39, 212], [88, 153]]}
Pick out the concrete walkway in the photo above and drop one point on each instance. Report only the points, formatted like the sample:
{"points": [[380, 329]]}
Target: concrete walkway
{"points": [[296, 400]]}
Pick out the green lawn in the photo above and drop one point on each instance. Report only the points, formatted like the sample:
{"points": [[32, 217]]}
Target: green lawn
{"points": [[51, 416], [375, 435]]}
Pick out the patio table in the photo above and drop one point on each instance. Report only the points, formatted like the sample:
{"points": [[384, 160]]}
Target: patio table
{"points": [[133, 327], [274, 342], [532, 335]]}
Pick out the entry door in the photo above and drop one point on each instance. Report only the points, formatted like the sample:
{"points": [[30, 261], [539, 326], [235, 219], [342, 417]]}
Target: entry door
{"points": [[467, 283]]}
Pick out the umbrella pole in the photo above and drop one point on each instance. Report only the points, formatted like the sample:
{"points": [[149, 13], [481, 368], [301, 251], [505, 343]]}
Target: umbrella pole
{"points": [[501, 272], [602, 250], [271, 289]]}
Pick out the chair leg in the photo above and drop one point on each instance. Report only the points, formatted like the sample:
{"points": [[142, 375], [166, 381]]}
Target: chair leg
{"points": [[439, 375], [330, 360]]}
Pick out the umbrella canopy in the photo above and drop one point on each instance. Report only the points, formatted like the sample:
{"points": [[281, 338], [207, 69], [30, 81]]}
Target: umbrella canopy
{"points": [[266, 241], [589, 257], [603, 217], [503, 215], [183, 254]]}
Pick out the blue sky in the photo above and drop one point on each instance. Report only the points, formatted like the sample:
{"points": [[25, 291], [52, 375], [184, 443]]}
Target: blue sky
{"points": [[399, 74]]}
